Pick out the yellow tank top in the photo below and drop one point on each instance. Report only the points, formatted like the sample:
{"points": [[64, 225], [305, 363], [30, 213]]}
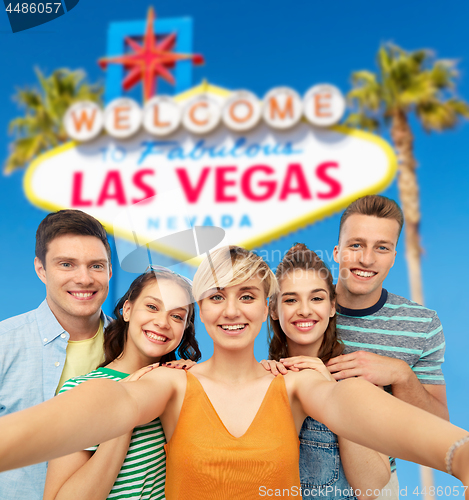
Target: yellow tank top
{"points": [[206, 462]]}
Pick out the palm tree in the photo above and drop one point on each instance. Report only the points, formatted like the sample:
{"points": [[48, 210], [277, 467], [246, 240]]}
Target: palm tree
{"points": [[407, 82], [41, 126]]}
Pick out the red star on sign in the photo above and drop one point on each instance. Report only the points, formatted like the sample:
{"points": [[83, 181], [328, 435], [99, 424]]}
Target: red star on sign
{"points": [[150, 60]]}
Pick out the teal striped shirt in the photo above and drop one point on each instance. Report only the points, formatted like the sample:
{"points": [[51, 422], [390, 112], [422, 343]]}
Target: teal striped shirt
{"points": [[397, 328]]}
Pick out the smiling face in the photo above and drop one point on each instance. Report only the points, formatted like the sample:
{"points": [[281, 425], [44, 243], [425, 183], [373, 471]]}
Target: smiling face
{"points": [[76, 274], [233, 316], [365, 253], [304, 308], [155, 327]]}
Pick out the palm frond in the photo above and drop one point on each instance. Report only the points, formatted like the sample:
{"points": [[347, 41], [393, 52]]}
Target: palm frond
{"points": [[41, 126], [23, 151], [362, 121], [366, 91], [406, 82], [439, 116], [460, 107], [419, 89], [443, 74]]}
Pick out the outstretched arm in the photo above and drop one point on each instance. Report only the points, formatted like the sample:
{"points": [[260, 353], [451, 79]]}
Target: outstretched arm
{"points": [[379, 421], [88, 414]]}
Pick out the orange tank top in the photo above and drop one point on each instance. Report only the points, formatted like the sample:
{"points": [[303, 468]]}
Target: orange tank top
{"points": [[205, 462]]}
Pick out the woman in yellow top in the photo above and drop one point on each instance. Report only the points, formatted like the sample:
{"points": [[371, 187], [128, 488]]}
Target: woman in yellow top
{"points": [[232, 426]]}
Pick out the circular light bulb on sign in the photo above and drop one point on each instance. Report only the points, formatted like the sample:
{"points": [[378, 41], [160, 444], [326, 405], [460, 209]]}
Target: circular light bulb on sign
{"points": [[241, 111], [122, 117], [324, 105], [282, 108], [161, 116], [201, 114], [83, 121]]}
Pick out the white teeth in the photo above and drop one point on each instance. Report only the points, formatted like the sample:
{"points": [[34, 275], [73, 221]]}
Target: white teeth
{"points": [[153, 336], [363, 274], [82, 295], [232, 327], [305, 325]]}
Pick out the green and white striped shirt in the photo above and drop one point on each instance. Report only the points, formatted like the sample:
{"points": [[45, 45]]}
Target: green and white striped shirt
{"points": [[142, 475]]}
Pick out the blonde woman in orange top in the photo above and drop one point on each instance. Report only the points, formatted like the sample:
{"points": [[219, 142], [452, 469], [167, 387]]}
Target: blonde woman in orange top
{"points": [[231, 426]]}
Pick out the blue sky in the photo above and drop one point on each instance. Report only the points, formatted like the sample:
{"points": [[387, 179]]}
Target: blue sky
{"points": [[256, 46]]}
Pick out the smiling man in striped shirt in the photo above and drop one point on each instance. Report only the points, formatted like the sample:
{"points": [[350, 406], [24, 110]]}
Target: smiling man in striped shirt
{"points": [[389, 340]]}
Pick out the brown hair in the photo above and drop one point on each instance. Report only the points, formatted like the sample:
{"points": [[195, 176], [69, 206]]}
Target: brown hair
{"points": [[115, 335], [68, 222], [376, 206], [300, 257]]}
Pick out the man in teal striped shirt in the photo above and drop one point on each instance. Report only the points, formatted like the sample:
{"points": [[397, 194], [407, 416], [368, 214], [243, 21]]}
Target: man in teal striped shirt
{"points": [[389, 340]]}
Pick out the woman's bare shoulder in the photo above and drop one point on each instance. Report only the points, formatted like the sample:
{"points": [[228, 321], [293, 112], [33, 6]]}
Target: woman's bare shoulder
{"points": [[163, 376]]}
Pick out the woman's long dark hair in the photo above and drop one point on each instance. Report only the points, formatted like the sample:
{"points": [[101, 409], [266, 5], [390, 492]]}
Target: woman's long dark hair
{"points": [[300, 257], [115, 335]]}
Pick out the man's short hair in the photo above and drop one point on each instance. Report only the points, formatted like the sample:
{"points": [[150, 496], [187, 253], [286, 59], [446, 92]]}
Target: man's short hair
{"points": [[68, 222], [376, 206]]}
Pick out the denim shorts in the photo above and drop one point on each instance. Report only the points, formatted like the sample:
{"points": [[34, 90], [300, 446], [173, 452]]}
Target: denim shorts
{"points": [[321, 471]]}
